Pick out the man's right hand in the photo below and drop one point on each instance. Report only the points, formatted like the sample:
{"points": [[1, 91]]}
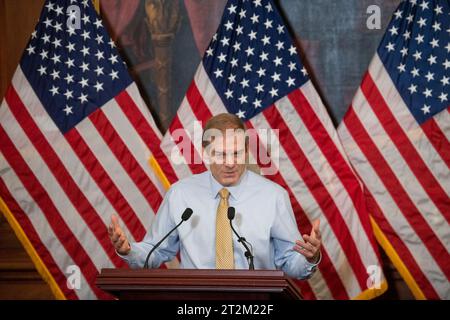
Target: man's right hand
{"points": [[118, 237]]}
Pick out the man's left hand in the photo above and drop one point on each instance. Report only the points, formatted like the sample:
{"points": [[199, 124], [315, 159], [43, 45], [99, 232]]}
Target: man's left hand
{"points": [[310, 248]]}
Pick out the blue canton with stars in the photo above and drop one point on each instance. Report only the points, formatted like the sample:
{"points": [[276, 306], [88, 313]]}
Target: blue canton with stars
{"points": [[416, 53], [251, 60], [74, 71]]}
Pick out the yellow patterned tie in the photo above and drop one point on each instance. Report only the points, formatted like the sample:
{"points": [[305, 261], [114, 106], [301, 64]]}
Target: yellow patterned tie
{"points": [[224, 238]]}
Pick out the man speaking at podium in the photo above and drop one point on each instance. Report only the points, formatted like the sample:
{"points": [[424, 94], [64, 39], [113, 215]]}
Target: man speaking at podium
{"points": [[262, 211]]}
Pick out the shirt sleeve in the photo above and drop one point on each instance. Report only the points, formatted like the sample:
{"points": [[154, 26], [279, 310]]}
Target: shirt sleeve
{"points": [[284, 233], [161, 225]]}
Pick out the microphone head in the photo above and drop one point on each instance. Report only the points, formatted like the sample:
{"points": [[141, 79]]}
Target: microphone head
{"points": [[231, 212], [186, 214]]}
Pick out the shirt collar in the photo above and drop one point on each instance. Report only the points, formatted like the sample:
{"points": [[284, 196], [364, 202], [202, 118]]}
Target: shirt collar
{"points": [[234, 190]]}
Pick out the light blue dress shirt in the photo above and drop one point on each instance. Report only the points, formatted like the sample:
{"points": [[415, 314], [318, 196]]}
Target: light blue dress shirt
{"points": [[264, 217]]}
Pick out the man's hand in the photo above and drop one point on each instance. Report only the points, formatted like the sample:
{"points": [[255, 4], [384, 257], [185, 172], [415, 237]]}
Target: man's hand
{"points": [[118, 237], [311, 247]]}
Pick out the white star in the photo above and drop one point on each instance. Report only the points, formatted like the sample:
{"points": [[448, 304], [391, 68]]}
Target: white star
{"points": [[229, 94], [218, 73], [447, 47], [98, 86], [241, 114], [237, 46], [99, 55], [49, 6], [225, 41], [407, 35], [292, 66], [99, 71], [252, 35], [422, 22], [242, 13], [259, 87], [443, 97], [46, 38], [432, 59], [390, 47], [401, 68], [446, 64], [68, 94], [67, 110], [113, 59], [292, 50], [56, 58], [58, 27], [69, 63], [425, 109], [249, 51], [429, 76], [83, 82], [85, 66], [269, 7], [257, 103], [232, 9], [30, 49], [398, 14], [48, 22], [214, 37], [264, 56], [417, 55], [280, 29], [434, 43], [274, 92], [71, 47], [98, 23], [54, 90], [436, 26], [404, 51], [261, 72], [424, 5], [419, 38], [86, 19], [255, 18], [55, 74], [228, 25], [244, 83], [99, 39], [111, 43], [231, 78], [248, 67], [242, 99], [304, 71], [445, 80], [290, 82], [234, 62], [438, 10], [34, 34], [393, 30], [57, 43], [69, 78], [239, 30], [412, 88], [268, 24], [280, 45], [275, 77], [222, 57], [44, 54], [265, 40], [415, 72], [86, 35], [114, 75], [58, 10], [257, 3], [209, 52], [85, 51], [71, 31], [277, 61], [83, 98], [427, 92], [410, 18]]}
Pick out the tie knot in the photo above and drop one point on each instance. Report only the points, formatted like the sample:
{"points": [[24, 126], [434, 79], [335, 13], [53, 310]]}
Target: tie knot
{"points": [[224, 193]]}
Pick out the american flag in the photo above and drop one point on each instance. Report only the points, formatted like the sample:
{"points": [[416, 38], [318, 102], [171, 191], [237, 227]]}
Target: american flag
{"points": [[251, 68], [76, 138], [396, 134]]}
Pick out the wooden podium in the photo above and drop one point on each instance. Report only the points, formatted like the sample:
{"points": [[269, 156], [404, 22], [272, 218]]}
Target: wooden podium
{"points": [[198, 284]]}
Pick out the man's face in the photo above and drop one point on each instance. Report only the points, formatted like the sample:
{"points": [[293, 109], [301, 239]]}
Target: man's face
{"points": [[227, 155]]}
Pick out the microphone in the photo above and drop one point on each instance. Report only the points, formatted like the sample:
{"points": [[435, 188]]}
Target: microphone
{"points": [[248, 254], [184, 217]]}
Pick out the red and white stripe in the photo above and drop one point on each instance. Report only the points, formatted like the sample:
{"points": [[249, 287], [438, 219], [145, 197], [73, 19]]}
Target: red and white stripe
{"points": [[315, 172], [405, 167], [63, 188]]}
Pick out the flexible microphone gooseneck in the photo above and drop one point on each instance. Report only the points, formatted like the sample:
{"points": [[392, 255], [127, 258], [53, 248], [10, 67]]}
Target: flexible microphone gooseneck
{"points": [[248, 254], [184, 217]]}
